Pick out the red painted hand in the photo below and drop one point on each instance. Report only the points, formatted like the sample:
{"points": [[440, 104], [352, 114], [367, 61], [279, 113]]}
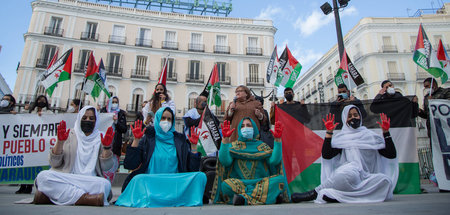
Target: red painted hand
{"points": [[137, 130], [385, 122], [108, 138], [61, 131], [278, 130], [226, 129], [329, 123], [195, 134]]}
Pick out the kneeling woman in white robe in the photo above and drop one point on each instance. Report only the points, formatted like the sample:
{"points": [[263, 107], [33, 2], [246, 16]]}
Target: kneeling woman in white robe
{"points": [[358, 165], [77, 161], [165, 166]]}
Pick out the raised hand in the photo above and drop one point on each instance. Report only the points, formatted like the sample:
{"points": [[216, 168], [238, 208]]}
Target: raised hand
{"points": [[278, 130], [108, 138], [385, 122], [226, 129], [61, 131], [137, 130], [195, 133], [329, 123]]}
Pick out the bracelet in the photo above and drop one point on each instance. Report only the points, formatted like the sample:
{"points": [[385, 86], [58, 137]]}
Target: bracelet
{"points": [[387, 137], [106, 147], [330, 133]]}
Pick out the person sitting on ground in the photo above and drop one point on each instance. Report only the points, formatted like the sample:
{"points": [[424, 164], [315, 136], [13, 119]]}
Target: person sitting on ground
{"points": [[77, 161], [248, 171], [358, 165], [165, 168]]}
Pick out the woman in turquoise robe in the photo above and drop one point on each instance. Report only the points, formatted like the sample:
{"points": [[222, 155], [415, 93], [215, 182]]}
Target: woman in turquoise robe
{"points": [[248, 171], [165, 168]]}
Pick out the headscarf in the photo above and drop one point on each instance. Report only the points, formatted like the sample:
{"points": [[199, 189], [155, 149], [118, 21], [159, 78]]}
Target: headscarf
{"points": [[166, 137], [255, 131], [88, 146], [109, 105]]}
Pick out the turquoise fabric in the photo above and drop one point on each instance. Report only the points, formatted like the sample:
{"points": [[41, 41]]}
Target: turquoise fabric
{"points": [[164, 158], [164, 190]]}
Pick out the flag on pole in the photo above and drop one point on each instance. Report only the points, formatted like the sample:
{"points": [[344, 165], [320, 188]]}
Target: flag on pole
{"points": [[424, 56], [95, 80], [288, 71], [209, 139], [58, 71], [272, 68], [444, 60], [163, 77], [212, 88], [347, 73]]}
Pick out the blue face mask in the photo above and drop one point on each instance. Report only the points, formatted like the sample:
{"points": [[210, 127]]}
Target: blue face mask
{"points": [[344, 95], [247, 132]]}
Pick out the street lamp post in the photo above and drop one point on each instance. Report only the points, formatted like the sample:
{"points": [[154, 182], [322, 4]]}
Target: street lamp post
{"points": [[326, 9]]}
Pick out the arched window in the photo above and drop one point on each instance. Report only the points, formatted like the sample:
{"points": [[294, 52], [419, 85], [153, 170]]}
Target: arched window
{"points": [[137, 98], [191, 102]]}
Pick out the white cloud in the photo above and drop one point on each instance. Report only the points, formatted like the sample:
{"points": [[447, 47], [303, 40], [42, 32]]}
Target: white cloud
{"points": [[269, 12], [317, 20]]}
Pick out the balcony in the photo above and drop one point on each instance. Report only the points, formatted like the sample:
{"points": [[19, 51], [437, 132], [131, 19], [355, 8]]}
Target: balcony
{"points": [[389, 49], [169, 45], [313, 90], [329, 79], [308, 94], [117, 39], [114, 71], [396, 76], [89, 36], [53, 31], [42, 62], [255, 81], [133, 108], [171, 76], [194, 78], [422, 75], [225, 80], [143, 42], [79, 68], [254, 51], [196, 47], [221, 49], [140, 74]]}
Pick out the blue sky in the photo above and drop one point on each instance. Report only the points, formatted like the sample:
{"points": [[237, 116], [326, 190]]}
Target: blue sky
{"points": [[300, 23]]}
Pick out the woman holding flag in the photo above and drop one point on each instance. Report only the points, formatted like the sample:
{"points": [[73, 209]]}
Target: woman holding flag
{"points": [[77, 161], [165, 166]]}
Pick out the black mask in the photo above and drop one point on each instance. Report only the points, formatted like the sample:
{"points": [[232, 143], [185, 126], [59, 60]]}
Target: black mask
{"points": [[354, 123], [289, 97], [41, 104], [87, 126]]}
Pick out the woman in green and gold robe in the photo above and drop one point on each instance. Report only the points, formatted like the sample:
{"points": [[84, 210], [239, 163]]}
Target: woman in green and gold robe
{"points": [[248, 171]]}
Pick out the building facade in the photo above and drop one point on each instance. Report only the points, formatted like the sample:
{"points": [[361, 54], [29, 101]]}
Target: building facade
{"points": [[134, 43]]}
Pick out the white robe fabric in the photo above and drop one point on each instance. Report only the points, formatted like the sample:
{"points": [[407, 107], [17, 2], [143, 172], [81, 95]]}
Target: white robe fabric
{"points": [[67, 188], [359, 174]]}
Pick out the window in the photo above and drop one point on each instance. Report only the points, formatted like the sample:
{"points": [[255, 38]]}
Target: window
{"points": [[253, 42], [436, 39], [192, 98], [387, 41], [221, 70], [83, 60], [40, 90], [171, 36], [392, 67], [145, 38], [221, 45], [170, 40], [47, 53], [141, 65], [194, 69], [253, 72], [91, 31], [170, 67], [196, 42], [55, 27], [118, 35], [114, 63], [138, 97], [413, 40], [221, 40], [388, 46], [320, 78]]}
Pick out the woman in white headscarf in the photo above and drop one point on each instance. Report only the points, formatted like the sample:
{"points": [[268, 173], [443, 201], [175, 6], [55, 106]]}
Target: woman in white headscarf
{"points": [[77, 161], [358, 165]]}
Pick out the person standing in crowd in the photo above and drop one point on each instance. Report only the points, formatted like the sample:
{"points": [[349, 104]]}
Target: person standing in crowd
{"points": [[343, 99], [193, 116], [140, 114], [265, 134], [8, 104], [248, 171], [41, 105], [77, 161], [295, 108], [244, 105], [436, 93], [358, 165], [164, 166], [159, 99], [74, 106], [395, 105]]}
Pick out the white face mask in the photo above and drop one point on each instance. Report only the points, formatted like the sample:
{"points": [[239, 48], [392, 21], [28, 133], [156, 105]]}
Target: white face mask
{"points": [[4, 103], [247, 132], [71, 109], [390, 90], [114, 105], [165, 125], [426, 91]]}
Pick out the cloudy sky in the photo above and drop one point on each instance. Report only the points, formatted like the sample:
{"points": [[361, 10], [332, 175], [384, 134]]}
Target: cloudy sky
{"points": [[301, 24]]}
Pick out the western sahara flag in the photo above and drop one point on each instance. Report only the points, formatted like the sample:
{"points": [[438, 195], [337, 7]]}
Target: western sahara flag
{"points": [[303, 138], [96, 82], [212, 88], [209, 139], [58, 71], [273, 66], [425, 56], [444, 60], [289, 69], [347, 73]]}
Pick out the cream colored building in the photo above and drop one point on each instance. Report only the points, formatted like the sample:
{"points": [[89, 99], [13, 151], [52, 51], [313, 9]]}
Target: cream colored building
{"points": [[133, 43], [380, 48]]}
